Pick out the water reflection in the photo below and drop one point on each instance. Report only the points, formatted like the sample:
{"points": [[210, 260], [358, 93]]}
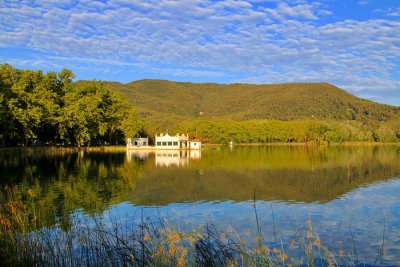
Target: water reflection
{"points": [[168, 158], [331, 185], [137, 154], [291, 174], [165, 158], [355, 222], [195, 154]]}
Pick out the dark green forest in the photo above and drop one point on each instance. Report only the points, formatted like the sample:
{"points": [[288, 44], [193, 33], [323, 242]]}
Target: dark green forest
{"points": [[39, 108]]}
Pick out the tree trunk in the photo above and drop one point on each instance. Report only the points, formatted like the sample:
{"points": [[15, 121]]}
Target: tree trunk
{"points": [[111, 135], [26, 139]]}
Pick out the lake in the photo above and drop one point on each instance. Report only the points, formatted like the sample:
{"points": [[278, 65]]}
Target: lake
{"points": [[350, 194]]}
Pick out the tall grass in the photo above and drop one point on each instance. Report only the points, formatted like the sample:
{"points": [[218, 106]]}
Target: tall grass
{"points": [[144, 241]]}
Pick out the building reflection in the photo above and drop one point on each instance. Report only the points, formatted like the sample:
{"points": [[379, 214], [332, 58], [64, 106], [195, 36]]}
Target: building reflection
{"points": [[137, 155], [168, 158], [195, 154], [165, 158]]}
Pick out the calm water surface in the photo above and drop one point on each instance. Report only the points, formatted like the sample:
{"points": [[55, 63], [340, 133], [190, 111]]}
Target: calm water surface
{"points": [[350, 194]]}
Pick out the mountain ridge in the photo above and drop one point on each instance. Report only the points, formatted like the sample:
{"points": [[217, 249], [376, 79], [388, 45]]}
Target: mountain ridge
{"points": [[248, 113], [289, 101]]}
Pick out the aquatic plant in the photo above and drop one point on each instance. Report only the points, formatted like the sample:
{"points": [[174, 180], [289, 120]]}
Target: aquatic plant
{"points": [[146, 241]]}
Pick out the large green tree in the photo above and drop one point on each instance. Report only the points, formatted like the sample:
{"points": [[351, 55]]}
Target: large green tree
{"points": [[33, 102], [119, 116], [82, 116], [92, 112], [52, 108], [8, 76]]}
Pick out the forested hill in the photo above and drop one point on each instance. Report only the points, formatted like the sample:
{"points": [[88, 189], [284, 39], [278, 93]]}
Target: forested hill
{"points": [[50, 108], [240, 102], [246, 113]]}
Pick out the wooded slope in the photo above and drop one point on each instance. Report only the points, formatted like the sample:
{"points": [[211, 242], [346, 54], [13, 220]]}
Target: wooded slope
{"points": [[240, 102]]}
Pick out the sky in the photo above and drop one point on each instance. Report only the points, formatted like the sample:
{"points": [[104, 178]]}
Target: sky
{"points": [[353, 44]]}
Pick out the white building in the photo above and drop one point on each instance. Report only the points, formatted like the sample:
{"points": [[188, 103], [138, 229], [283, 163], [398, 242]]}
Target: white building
{"points": [[172, 142], [178, 141], [195, 144], [137, 142]]}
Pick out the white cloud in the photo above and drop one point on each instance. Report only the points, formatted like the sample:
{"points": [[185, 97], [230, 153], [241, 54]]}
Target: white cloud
{"points": [[389, 12], [301, 11], [363, 2], [284, 42], [394, 12]]}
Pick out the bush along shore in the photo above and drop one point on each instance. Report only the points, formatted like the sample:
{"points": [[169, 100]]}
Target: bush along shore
{"points": [[91, 241]]}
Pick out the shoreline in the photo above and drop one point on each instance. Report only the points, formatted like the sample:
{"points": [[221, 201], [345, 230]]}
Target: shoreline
{"points": [[120, 148]]}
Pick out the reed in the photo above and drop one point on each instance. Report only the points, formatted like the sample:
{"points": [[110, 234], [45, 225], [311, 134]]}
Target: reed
{"points": [[145, 241]]}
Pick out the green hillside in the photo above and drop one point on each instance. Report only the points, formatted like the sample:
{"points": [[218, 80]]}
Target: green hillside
{"points": [[199, 108], [48, 108], [246, 102]]}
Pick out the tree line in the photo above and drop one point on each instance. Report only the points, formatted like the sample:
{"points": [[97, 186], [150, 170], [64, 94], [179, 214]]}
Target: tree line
{"points": [[298, 131], [48, 108]]}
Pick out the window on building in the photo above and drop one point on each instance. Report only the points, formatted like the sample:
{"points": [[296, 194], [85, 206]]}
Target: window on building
{"points": [[135, 143], [175, 143], [158, 143], [164, 143], [145, 143], [169, 143]]}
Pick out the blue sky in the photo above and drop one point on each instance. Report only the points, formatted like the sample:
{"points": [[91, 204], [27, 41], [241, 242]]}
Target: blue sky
{"points": [[354, 44]]}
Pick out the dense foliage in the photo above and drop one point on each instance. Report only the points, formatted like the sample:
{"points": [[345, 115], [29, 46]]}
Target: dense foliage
{"points": [[244, 113], [240, 102], [270, 131], [48, 108]]}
